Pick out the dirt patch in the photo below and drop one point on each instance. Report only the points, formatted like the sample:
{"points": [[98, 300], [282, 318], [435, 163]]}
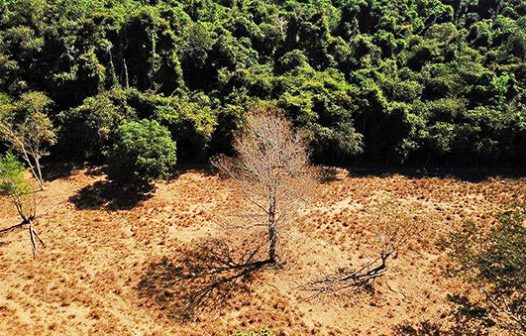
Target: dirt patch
{"points": [[86, 281]]}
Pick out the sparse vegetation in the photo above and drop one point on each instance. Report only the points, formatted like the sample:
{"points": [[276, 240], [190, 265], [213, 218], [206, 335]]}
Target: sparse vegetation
{"points": [[496, 264], [397, 227], [149, 258]]}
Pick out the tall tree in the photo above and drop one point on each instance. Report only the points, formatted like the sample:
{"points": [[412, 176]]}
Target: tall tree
{"points": [[272, 171]]}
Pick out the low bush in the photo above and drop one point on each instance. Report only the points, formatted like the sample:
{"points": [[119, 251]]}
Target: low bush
{"points": [[143, 151]]}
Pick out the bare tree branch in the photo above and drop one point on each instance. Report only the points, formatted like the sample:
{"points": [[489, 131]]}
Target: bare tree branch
{"points": [[271, 170]]}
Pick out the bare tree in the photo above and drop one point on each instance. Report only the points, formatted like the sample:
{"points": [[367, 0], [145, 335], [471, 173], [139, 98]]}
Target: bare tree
{"points": [[272, 172], [27, 130]]}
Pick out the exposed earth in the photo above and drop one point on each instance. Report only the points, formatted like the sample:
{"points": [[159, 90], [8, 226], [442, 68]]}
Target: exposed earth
{"points": [[101, 252]]}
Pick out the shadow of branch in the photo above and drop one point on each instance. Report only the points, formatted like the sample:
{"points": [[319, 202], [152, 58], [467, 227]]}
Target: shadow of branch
{"points": [[348, 279], [202, 280]]}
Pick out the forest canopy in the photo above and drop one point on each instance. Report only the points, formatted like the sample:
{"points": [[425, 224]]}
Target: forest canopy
{"points": [[441, 81]]}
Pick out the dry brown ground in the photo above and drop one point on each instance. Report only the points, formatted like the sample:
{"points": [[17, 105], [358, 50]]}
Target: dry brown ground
{"points": [[86, 281]]}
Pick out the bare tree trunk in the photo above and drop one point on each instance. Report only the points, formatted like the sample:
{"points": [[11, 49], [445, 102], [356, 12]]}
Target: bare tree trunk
{"points": [[40, 179], [126, 77], [273, 242], [33, 235], [37, 175], [272, 233], [153, 65], [32, 238], [112, 68]]}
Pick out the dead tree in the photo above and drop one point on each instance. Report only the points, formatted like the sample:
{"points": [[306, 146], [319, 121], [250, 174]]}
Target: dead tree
{"points": [[346, 279], [272, 172]]}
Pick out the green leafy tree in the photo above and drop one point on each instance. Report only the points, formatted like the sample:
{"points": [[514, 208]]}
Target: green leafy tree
{"points": [[143, 151], [88, 130], [192, 124]]}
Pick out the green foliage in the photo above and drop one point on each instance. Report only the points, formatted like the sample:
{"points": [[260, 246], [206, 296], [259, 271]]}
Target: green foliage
{"points": [[191, 122], [321, 104], [382, 80], [189, 118], [143, 151], [15, 185], [25, 125], [12, 180], [504, 260], [88, 130]]}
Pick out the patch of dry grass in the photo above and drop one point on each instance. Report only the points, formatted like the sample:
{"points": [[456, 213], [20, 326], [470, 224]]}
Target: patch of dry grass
{"points": [[86, 280]]}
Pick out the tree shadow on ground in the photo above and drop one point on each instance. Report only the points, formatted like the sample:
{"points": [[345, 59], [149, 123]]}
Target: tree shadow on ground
{"points": [[111, 196], [186, 168], [202, 280], [469, 318], [465, 318], [57, 170]]}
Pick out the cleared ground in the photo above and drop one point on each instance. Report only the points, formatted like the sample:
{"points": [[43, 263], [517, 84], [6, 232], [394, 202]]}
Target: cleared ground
{"points": [[105, 247]]}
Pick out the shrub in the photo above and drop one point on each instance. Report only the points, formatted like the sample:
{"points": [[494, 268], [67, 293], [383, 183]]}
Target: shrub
{"points": [[12, 181], [495, 262], [143, 151], [191, 122]]}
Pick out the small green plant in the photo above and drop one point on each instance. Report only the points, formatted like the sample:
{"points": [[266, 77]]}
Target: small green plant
{"points": [[262, 332], [12, 181], [14, 185], [143, 151]]}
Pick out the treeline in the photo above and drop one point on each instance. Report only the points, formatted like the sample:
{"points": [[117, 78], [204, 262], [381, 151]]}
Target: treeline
{"points": [[423, 81]]}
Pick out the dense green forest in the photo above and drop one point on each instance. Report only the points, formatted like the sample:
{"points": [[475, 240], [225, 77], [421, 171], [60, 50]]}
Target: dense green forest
{"points": [[387, 81]]}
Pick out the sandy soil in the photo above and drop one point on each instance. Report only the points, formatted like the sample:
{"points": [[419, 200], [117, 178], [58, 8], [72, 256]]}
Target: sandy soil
{"points": [[101, 251]]}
